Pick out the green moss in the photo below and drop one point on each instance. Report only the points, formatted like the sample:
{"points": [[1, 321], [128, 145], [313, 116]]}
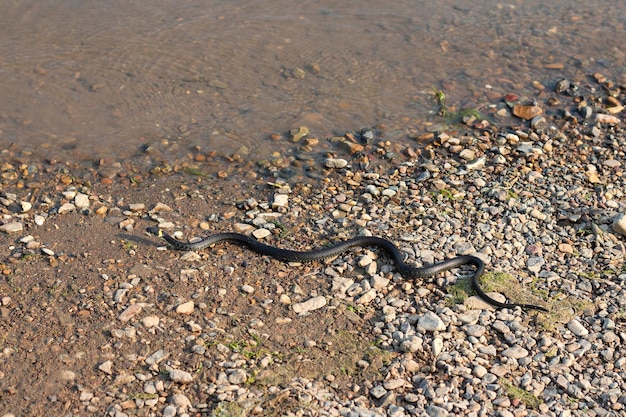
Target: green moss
{"points": [[229, 409], [529, 399]]}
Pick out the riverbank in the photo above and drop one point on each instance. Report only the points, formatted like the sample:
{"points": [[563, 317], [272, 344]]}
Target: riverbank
{"points": [[97, 319]]}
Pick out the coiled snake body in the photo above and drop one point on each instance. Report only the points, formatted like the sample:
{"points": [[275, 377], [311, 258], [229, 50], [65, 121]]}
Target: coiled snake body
{"points": [[287, 255]]}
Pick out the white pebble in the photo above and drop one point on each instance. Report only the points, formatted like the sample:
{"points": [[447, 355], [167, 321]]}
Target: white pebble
{"points": [[310, 304], [261, 233]]}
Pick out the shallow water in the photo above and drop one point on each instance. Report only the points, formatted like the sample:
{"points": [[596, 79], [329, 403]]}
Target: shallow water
{"points": [[85, 80]]}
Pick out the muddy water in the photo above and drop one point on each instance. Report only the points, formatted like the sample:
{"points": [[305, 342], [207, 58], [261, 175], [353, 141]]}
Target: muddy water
{"points": [[85, 80]]}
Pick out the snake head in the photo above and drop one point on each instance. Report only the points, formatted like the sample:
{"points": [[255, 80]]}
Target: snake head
{"points": [[154, 231]]}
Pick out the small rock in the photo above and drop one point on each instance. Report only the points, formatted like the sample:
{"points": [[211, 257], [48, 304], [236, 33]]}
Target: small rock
{"points": [[535, 263], [607, 118], [435, 411], [392, 384], [150, 321], [157, 357], [378, 391], [179, 376], [367, 297], [130, 312], [67, 375], [335, 163], [136, 207], [180, 401], [26, 206], [280, 200], [248, 289], [577, 328], [81, 200], [515, 352], [310, 304], [39, 220], [526, 112], [475, 330], [185, 308], [261, 233], [237, 376], [478, 163], [619, 224], [13, 227], [106, 367], [430, 322], [67, 207], [169, 411]]}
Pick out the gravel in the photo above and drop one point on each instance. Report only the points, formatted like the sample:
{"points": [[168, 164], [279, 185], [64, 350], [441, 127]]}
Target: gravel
{"points": [[228, 332]]}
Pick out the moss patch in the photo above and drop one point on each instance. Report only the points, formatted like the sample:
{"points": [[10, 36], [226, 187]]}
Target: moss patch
{"points": [[513, 392]]}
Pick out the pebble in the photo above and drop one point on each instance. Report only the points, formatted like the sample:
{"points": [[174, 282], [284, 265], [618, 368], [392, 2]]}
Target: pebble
{"points": [[181, 401], [182, 377], [81, 201], [280, 200], [310, 305], [185, 308], [515, 352], [619, 224], [378, 392], [39, 220], [67, 207], [106, 367], [335, 163], [248, 289], [261, 233], [13, 227], [237, 376], [577, 328], [150, 321], [430, 322], [130, 312]]}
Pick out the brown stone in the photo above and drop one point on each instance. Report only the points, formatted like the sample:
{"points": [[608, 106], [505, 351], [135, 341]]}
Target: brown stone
{"points": [[526, 112]]}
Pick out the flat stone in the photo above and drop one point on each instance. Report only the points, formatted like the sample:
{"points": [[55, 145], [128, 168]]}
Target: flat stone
{"points": [[515, 352], [13, 227], [378, 391], [157, 357], [261, 233], [435, 411], [280, 200], [179, 376], [535, 263], [392, 384], [526, 112], [477, 163], [335, 163], [67, 207], [185, 308], [130, 312], [310, 304], [367, 297], [237, 376], [106, 367], [150, 321], [475, 330], [430, 322]]}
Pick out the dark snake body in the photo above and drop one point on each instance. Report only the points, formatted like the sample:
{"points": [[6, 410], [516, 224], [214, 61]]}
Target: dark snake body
{"points": [[287, 255]]}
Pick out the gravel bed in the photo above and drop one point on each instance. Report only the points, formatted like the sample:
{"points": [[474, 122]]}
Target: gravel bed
{"points": [[130, 328]]}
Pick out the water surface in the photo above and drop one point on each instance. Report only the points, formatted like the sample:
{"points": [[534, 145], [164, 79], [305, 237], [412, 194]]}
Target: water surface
{"points": [[88, 79]]}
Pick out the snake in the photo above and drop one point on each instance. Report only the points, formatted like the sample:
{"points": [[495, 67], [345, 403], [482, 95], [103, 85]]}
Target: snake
{"points": [[318, 254]]}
